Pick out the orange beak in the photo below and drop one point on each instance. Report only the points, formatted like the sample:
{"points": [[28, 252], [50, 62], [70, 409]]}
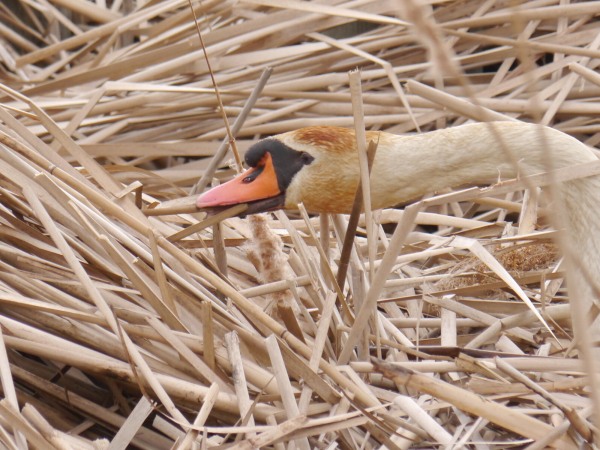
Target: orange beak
{"points": [[257, 183]]}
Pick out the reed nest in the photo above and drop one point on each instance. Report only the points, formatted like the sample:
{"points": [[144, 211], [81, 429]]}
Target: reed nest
{"points": [[129, 319]]}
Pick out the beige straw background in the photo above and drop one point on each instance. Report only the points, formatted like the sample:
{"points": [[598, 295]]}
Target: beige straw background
{"points": [[130, 320]]}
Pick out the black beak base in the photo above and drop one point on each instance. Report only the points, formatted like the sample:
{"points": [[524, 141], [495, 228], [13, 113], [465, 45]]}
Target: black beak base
{"points": [[255, 207]]}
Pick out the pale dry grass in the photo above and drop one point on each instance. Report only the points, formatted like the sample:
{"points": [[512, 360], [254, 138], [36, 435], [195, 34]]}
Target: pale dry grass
{"points": [[130, 320]]}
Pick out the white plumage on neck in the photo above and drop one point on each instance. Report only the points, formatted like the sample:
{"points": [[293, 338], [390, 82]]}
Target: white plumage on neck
{"points": [[407, 167]]}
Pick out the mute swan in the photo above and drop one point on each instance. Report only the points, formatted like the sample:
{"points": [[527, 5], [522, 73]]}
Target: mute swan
{"points": [[319, 167]]}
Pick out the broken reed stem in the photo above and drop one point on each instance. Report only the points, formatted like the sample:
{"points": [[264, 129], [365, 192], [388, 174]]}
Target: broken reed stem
{"points": [[237, 125], [508, 418], [365, 172], [368, 307], [231, 136], [357, 208]]}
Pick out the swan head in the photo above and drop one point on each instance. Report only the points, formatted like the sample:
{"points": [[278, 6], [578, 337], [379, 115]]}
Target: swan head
{"points": [[316, 166]]}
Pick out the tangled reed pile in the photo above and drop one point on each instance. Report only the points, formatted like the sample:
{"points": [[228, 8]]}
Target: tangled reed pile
{"points": [[130, 320]]}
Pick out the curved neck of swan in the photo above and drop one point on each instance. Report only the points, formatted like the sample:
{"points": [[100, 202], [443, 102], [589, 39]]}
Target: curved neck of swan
{"points": [[407, 167], [472, 154]]}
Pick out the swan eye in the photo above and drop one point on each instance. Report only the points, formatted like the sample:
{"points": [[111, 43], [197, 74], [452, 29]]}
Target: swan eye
{"points": [[253, 175]]}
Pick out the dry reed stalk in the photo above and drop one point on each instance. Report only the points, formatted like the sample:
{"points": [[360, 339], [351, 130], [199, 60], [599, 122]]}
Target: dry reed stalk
{"points": [[576, 421], [367, 307], [23, 426], [361, 146], [201, 418], [506, 417], [131, 426], [283, 380], [108, 117], [418, 415], [239, 378]]}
